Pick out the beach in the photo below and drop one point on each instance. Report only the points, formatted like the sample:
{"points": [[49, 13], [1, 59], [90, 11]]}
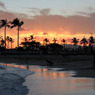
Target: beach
{"points": [[12, 79]]}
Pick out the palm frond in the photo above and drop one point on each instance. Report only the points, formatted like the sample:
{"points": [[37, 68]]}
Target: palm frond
{"points": [[15, 21], [21, 23], [3, 23]]}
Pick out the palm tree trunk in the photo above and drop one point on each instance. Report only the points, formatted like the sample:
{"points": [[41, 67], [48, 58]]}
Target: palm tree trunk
{"points": [[8, 44], [18, 38], [11, 45], [5, 36]]}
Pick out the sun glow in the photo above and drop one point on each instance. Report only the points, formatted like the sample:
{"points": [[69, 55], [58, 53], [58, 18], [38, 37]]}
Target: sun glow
{"points": [[41, 35]]}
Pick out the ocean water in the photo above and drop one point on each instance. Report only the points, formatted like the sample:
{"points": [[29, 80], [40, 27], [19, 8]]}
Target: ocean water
{"points": [[54, 81]]}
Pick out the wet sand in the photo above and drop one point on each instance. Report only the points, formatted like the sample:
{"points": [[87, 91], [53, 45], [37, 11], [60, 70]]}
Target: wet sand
{"points": [[12, 79]]}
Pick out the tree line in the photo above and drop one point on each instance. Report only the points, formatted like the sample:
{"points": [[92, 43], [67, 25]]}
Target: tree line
{"points": [[10, 24], [29, 43]]}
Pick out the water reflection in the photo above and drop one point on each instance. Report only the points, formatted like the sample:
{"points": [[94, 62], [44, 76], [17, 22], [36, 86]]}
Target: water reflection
{"points": [[50, 81], [44, 71]]}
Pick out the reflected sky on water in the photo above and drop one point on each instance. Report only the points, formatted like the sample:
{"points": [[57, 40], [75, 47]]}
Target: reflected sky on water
{"points": [[52, 81]]}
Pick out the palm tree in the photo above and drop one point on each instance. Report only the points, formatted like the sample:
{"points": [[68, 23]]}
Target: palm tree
{"points": [[31, 37], [17, 23], [4, 23], [2, 43], [54, 40], [75, 41], [91, 40], [0, 40], [63, 41], [46, 41], [25, 42], [8, 40], [84, 41], [25, 39], [11, 40]]}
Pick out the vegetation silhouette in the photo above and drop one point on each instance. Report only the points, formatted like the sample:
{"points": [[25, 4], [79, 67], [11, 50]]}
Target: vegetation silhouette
{"points": [[75, 41], [31, 46], [91, 40], [2, 42], [4, 23], [46, 41], [11, 41], [8, 40], [54, 40], [84, 41], [63, 41], [17, 23]]}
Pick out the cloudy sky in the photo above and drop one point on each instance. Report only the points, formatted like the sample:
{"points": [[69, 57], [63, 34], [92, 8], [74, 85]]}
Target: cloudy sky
{"points": [[50, 18]]}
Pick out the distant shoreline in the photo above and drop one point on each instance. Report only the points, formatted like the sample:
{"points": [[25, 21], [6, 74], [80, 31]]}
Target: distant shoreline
{"points": [[29, 58]]}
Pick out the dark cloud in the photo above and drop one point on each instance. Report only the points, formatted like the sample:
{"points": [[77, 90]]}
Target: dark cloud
{"points": [[2, 5]]}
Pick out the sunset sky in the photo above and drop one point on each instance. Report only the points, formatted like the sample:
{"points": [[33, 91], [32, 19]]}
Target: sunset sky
{"points": [[50, 18]]}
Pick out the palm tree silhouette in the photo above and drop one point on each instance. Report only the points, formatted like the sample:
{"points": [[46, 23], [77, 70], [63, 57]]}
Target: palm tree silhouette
{"points": [[75, 41], [46, 41], [84, 41], [63, 41], [2, 43], [17, 23], [31, 37], [25, 42], [25, 39], [11, 40], [54, 40], [4, 23], [91, 40], [8, 40]]}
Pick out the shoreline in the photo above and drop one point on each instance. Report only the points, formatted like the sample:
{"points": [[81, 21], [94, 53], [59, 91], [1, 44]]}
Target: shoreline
{"points": [[12, 79], [82, 65]]}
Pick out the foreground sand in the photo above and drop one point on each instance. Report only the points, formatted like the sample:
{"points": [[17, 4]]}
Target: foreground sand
{"points": [[11, 81]]}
